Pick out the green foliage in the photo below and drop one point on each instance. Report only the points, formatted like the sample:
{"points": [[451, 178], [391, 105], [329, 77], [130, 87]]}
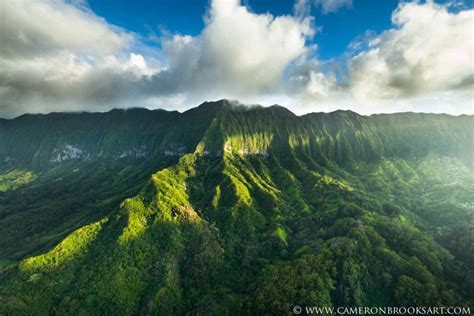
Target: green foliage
{"points": [[67, 249], [303, 282], [15, 179], [264, 210]]}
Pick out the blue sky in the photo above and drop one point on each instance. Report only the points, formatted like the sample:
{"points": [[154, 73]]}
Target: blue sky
{"points": [[370, 56], [186, 17], [338, 29]]}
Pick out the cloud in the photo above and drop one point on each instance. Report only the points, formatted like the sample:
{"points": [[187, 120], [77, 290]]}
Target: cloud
{"points": [[58, 56], [69, 83], [35, 28], [312, 80], [331, 6], [429, 50], [238, 52], [303, 7], [66, 58]]}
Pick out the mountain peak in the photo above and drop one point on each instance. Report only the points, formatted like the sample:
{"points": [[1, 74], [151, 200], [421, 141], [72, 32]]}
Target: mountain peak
{"points": [[235, 105], [212, 106]]}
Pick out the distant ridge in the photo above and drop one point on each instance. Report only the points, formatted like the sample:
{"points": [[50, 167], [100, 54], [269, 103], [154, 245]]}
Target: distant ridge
{"points": [[215, 105], [40, 140]]}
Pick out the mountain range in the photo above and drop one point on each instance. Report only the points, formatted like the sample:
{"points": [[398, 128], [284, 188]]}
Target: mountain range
{"points": [[234, 209]]}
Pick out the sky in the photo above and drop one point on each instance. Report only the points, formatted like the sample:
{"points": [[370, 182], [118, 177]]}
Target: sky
{"points": [[369, 56]]}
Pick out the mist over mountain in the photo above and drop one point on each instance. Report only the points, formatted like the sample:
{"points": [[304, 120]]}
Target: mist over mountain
{"points": [[234, 209]]}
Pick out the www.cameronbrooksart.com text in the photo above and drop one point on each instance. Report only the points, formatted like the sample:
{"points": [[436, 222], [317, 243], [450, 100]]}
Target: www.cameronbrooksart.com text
{"points": [[438, 310]]}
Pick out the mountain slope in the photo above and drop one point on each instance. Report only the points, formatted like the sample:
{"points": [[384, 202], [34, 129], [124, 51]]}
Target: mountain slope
{"points": [[63, 170], [271, 210]]}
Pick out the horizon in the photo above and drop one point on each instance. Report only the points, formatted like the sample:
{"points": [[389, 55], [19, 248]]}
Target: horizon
{"points": [[306, 55], [248, 106]]}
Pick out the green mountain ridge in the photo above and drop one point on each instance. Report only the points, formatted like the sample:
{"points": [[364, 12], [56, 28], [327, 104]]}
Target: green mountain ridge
{"points": [[49, 139], [231, 210]]}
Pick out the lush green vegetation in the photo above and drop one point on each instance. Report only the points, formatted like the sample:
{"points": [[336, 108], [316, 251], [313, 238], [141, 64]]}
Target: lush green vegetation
{"points": [[270, 211], [15, 179]]}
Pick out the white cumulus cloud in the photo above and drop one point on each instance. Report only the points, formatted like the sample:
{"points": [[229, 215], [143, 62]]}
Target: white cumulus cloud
{"points": [[238, 52], [429, 50], [35, 28], [56, 56]]}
